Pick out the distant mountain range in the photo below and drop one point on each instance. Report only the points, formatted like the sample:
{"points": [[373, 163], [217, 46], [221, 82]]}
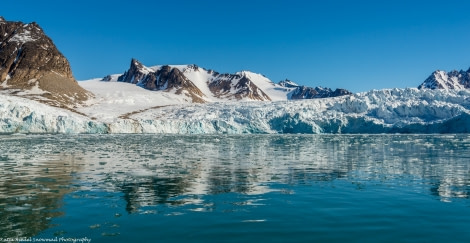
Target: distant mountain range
{"points": [[202, 85]]}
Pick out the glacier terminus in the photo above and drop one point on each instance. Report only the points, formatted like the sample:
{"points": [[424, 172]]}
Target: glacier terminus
{"points": [[377, 111]]}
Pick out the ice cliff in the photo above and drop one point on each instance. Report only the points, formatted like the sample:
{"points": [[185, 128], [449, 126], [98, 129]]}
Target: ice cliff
{"points": [[21, 115], [377, 111]]}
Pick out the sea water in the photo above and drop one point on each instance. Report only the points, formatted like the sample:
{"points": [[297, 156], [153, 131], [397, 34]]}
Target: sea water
{"points": [[246, 188]]}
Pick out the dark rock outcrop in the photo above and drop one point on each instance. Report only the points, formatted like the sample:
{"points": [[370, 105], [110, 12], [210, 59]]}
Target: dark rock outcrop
{"points": [[29, 58], [164, 78], [237, 86], [288, 84], [303, 92], [135, 73], [107, 78]]}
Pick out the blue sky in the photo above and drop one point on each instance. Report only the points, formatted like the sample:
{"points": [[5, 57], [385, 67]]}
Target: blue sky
{"points": [[357, 45]]}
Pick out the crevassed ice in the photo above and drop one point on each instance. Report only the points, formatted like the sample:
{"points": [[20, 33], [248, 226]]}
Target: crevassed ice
{"points": [[377, 111]]}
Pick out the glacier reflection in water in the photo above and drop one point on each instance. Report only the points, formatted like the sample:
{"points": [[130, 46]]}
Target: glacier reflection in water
{"points": [[236, 188]]}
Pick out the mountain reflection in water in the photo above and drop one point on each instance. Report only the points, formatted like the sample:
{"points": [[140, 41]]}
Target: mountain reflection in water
{"points": [[33, 180], [36, 171]]}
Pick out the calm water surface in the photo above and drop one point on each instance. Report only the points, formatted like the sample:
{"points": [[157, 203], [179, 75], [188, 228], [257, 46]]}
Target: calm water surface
{"points": [[253, 188]]}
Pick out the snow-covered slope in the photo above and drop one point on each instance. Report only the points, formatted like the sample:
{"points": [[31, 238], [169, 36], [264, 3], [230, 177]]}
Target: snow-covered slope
{"points": [[378, 111], [115, 100], [447, 80]]}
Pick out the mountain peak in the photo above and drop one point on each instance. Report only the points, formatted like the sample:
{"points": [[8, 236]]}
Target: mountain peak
{"points": [[29, 59], [193, 67], [447, 80], [135, 73], [164, 77], [136, 62]]}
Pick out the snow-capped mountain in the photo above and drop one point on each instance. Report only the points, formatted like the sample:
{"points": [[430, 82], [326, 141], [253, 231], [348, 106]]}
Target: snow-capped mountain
{"points": [[32, 66], [447, 80], [200, 85]]}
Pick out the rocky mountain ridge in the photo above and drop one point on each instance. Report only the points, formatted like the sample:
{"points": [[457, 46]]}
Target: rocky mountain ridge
{"points": [[202, 85], [305, 92], [31, 65], [447, 80]]}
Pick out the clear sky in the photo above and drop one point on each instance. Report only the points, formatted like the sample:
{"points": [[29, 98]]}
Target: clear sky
{"points": [[358, 45]]}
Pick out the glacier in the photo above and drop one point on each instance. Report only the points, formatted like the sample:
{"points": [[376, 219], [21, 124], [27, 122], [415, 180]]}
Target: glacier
{"points": [[378, 111], [22, 115]]}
